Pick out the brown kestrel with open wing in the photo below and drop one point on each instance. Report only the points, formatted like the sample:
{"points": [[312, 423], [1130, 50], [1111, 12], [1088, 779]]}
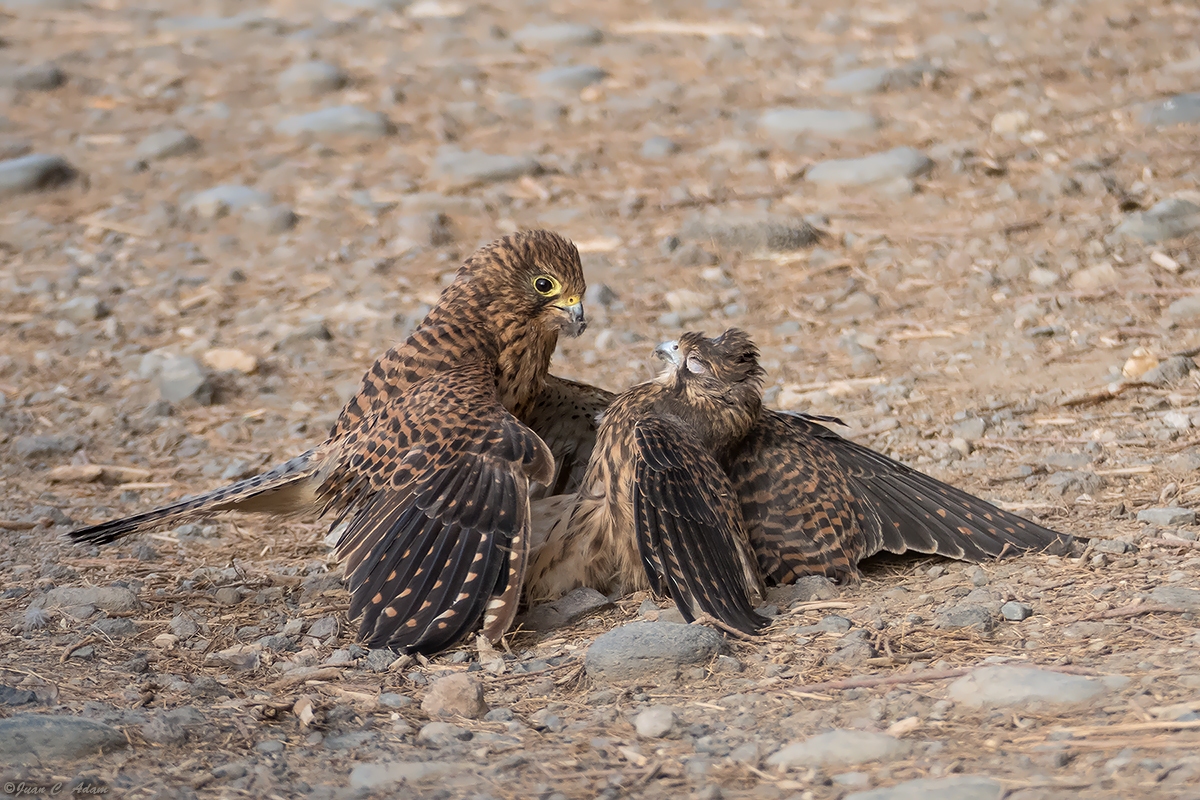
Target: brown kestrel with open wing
{"points": [[430, 466], [809, 501]]}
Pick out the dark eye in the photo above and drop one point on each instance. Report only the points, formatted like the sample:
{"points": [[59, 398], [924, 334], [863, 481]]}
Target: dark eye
{"points": [[695, 365], [543, 285]]}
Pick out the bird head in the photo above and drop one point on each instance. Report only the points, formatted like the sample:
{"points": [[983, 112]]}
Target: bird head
{"points": [[534, 276], [718, 376]]}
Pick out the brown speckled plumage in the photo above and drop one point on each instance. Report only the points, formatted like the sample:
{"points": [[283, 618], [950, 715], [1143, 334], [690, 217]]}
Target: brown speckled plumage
{"points": [[430, 466]]}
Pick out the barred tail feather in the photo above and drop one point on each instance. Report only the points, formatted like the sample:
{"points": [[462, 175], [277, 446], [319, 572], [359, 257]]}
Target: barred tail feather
{"points": [[285, 489]]}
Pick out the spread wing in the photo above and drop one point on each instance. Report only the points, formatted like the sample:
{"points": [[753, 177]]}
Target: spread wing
{"points": [[814, 502], [565, 415], [434, 491], [689, 530]]}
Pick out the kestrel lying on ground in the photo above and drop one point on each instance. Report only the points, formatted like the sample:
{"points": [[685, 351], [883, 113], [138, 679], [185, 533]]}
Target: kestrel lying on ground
{"points": [[691, 467], [430, 466]]}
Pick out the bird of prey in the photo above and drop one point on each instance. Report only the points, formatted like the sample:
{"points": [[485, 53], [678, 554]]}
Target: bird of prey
{"points": [[655, 508], [693, 466], [430, 466]]}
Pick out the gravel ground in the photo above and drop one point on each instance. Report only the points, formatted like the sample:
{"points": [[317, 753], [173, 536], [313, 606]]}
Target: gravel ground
{"points": [[972, 232]]}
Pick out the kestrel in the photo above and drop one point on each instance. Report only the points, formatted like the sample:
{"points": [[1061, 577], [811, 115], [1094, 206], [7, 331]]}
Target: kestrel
{"points": [[430, 466], [692, 466]]}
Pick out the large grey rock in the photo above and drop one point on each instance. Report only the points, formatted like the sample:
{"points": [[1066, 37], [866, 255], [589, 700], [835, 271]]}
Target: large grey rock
{"points": [[33, 173], [373, 776], [966, 615], [1024, 687], [956, 787], [338, 121], [1179, 596], [790, 125], [458, 169], [1178, 110], [571, 79], [35, 738], [1074, 482], [45, 446], [455, 696], [221, 200], [839, 748], [560, 34], [901, 162], [167, 143], [1166, 219], [33, 77], [750, 232], [566, 610], [311, 79], [650, 651], [1167, 517], [109, 598]]}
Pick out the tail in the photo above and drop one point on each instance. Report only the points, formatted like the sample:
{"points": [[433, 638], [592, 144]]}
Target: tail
{"points": [[287, 488]]}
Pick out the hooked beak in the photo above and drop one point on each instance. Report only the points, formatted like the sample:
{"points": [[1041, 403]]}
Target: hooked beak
{"points": [[574, 321], [668, 352]]}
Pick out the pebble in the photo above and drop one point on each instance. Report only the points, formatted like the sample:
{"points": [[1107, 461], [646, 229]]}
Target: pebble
{"points": [[871, 80], [839, 748], [971, 429], [966, 615], [440, 734], [338, 121], [32, 173], [1095, 277], [900, 162], [1167, 219], [36, 738], [219, 201], [1016, 612], [373, 776], [181, 378], [566, 610], [33, 77], [555, 35], [955, 787], [805, 589], [325, 628], [1112, 546], [1181, 109], [455, 695], [654, 722], [570, 79], [1180, 596], [790, 126], [311, 79], [1074, 482], [750, 232], [1023, 687], [650, 651], [278, 218], [659, 147], [168, 143], [108, 598], [457, 169], [83, 309], [1007, 123]]}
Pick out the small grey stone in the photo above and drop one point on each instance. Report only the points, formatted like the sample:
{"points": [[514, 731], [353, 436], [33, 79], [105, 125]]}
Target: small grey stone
{"points": [[788, 126], [654, 722], [83, 309], [378, 659], [561, 34], [373, 776], [750, 232], [37, 738], [1176, 368], [1178, 110], [971, 429], [500, 715], [570, 79], [276, 643], [1074, 482], [1166, 219], [273, 219], [967, 615], [182, 378], [900, 162], [117, 599], [115, 627], [659, 147], [440, 734], [338, 121], [32, 173], [270, 746], [459, 169], [1179, 596], [311, 79], [1112, 546], [45, 446], [809, 587], [839, 748], [1023, 687], [221, 200], [1015, 612], [649, 650], [566, 610], [168, 143], [34, 78], [348, 741], [545, 720], [1167, 517], [955, 787], [852, 780], [393, 700], [852, 653], [183, 626], [869, 80], [455, 695], [325, 628]]}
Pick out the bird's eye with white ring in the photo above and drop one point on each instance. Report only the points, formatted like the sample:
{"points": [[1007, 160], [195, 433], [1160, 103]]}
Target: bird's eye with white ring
{"points": [[546, 286], [695, 365]]}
